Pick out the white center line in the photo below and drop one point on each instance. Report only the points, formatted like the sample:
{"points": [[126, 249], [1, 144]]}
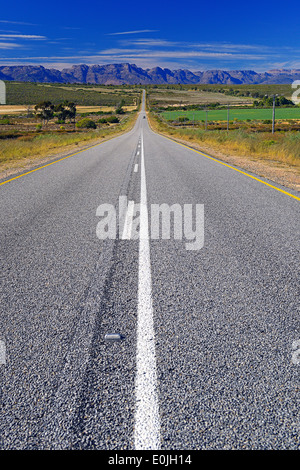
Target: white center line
{"points": [[136, 166], [147, 421]]}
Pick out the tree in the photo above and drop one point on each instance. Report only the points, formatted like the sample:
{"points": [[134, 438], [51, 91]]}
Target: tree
{"points": [[44, 111], [70, 110], [66, 110], [267, 101], [60, 113]]}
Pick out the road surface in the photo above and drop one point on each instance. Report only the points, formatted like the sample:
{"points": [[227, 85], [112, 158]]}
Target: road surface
{"points": [[136, 341]]}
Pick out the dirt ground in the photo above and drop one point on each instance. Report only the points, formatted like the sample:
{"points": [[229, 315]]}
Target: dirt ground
{"points": [[16, 109]]}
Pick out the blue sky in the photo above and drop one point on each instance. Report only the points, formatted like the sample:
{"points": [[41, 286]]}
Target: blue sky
{"points": [[197, 35]]}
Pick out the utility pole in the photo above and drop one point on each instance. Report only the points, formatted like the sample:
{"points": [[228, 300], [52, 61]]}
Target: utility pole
{"points": [[273, 120], [227, 117]]}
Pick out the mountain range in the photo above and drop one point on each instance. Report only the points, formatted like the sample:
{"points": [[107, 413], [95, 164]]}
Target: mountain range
{"points": [[118, 74]]}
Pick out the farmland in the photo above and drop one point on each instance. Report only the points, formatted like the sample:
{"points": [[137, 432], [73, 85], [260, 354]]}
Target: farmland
{"points": [[26, 93], [216, 104], [162, 97], [165, 97], [226, 107], [240, 114]]}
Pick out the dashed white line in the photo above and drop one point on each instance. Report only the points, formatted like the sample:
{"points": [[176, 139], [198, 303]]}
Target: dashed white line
{"points": [[136, 166], [147, 420]]}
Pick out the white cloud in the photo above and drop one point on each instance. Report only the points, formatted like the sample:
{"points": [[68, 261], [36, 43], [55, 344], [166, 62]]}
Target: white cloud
{"points": [[8, 45], [132, 32], [150, 52], [16, 22], [179, 54], [229, 47], [120, 51], [21, 36], [150, 42]]}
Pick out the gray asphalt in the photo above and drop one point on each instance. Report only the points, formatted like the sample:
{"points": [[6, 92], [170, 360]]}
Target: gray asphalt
{"points": [[225, 316]]}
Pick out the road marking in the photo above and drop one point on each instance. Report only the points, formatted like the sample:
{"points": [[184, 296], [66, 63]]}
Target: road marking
{"points": [[48, 164], [113, 337], [235, 169], [138, 152], [136, 166], [126, 235], [147, 422]]}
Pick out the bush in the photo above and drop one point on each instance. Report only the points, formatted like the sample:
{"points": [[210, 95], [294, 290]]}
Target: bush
{"points": [[86, 123], [4, 121], [109, 119], [268, 143], [113, 119]]}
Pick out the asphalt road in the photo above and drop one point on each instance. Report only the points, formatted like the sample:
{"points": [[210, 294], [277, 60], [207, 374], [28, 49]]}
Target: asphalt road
{"points": [[207, 356]]}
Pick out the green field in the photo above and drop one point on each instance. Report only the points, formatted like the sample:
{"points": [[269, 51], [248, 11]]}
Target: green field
{"points": [[239, 114]]}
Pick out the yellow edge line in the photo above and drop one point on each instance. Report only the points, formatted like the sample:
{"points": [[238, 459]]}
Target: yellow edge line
{"points": [[52, 163], [232, 168]]}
